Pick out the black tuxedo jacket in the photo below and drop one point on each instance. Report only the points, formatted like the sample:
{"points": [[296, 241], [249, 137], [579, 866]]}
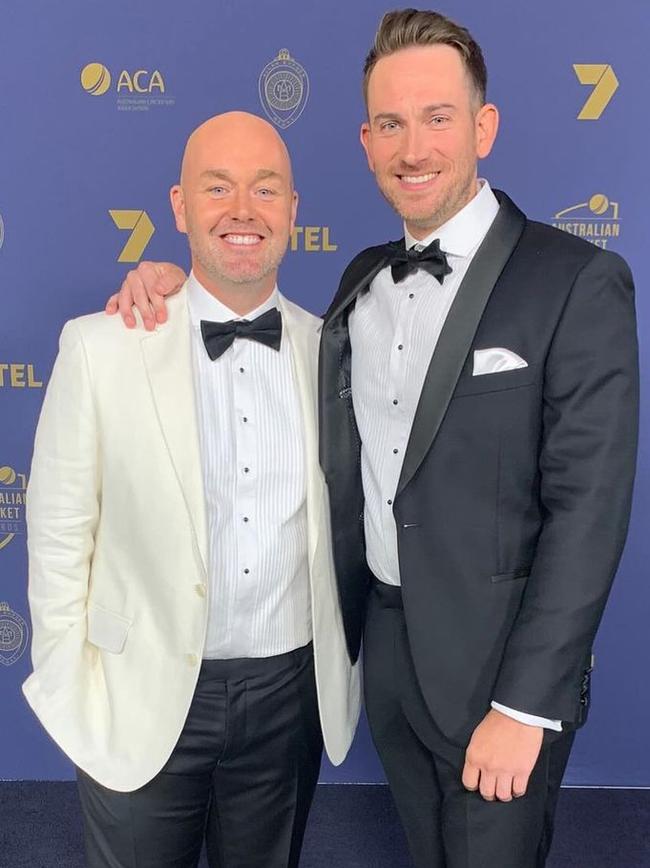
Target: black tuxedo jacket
{"points": [[513, 502]]}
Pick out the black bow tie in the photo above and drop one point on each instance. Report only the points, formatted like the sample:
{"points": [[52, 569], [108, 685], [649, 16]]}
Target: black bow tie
{"points": [[403, 262], [266, 328]]}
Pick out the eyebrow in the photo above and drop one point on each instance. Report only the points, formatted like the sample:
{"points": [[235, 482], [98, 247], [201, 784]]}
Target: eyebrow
{"points": [[224, 174], [434, 107]]}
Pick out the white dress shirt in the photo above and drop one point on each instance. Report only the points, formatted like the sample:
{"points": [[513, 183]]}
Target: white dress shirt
{"points": [[254, 474], [394, 329]]}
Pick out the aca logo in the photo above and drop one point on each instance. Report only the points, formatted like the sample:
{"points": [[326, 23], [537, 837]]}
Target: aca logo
{"points": [[14, 635], [597, 220], [95, 79], [13, 487], [312, 239], [605, 84], [142, 230], [137, 90], [284, 89]]}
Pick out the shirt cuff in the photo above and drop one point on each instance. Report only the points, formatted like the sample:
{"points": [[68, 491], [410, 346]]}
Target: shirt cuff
{"points": [[528, 719]]}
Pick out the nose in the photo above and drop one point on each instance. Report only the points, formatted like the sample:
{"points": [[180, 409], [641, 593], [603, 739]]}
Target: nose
{"points": [[414, 145], [241, 208]]}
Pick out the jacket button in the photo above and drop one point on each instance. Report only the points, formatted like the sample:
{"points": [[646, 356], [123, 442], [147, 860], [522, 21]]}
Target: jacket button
{"points": [[200, 590]]}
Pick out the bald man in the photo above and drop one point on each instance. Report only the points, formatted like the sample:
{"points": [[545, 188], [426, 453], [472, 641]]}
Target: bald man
{"points": [[189, 654]]}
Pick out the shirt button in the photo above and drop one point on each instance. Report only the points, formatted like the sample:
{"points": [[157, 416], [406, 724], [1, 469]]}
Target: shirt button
{"points": [[245, 518], [200, 590], [411, 295], [389, 502], [246, 571], [192, 659], [245, 419], [400, 346], [247, 469], [241, 370], [395, 401], [395, 451]]}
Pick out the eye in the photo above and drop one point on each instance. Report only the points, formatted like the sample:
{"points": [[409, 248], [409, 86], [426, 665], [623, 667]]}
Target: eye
{"points": [[389, 126], [438, 120], [217, 190], [265, 192]]}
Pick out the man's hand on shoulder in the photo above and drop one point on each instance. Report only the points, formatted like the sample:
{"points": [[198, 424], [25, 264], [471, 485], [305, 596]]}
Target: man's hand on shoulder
{"points": [[501, 756], [145, 288]]}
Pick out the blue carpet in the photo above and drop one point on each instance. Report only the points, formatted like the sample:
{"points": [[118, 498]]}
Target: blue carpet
{"points": [[349, 827]]}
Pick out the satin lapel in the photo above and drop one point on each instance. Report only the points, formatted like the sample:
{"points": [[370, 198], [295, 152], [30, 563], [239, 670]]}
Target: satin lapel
{"points": [[304, 342], [357, 277], [168, 359], [458, 333]]}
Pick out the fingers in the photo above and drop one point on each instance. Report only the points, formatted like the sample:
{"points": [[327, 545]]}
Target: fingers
{"points": [[519, 785], [492, 786], [471, 775], [111, 305]]}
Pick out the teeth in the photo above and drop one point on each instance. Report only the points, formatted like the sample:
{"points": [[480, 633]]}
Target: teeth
{"points": [[243, 239], [419, 179]]}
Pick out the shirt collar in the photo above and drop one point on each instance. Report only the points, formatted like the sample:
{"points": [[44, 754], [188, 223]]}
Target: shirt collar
{"points": [[463, 233], [203, 305]]}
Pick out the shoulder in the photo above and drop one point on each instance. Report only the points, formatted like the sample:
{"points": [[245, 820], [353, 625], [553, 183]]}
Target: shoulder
{"points": [[299, 315], [99, 332]]}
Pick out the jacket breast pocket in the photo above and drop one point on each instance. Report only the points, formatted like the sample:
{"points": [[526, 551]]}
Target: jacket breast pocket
{"points": [[497, 382], [106, 629]]}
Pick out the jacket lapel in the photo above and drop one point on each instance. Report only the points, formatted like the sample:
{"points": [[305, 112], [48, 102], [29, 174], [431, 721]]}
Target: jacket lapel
{"points": [[167, 356], [458, 333]]}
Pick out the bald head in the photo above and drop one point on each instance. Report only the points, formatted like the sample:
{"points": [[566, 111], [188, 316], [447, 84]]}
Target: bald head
{"points": [[237, 204], [230, 135]]}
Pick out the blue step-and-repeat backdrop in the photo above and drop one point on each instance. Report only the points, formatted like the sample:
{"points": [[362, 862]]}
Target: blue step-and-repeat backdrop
{"points": [[96, 100]]}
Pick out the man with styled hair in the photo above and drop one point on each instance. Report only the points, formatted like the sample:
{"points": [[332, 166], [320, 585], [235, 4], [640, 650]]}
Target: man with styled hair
{"points": [[479, 407]]}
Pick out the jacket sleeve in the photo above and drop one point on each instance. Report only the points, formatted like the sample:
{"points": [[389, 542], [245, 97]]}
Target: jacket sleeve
{"points": [[62, 505], [587, 463]]}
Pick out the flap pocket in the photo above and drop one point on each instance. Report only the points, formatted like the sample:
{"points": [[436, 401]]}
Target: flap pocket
{"points": [[106, 629], [511, 576], [501, 380]]}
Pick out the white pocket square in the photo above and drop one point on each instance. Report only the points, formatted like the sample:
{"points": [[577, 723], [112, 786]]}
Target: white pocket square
{"points": [[495, 360]]}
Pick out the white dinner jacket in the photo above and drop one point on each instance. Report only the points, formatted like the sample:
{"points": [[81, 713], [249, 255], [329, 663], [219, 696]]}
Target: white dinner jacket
{"points": [[117, 543]]}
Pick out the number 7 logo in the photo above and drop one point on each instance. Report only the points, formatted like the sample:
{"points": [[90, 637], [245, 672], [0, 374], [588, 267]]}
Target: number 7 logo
{"points": [[603, 77], [143, 229]]}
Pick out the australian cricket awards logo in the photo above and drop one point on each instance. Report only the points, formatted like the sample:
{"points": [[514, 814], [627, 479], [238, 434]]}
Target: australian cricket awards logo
{"points": [[284, 89], [13, 487], [14, 636], [597, 220]]}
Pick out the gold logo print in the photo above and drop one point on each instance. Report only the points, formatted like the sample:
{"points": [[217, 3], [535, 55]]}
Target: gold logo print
{"points": [[12, 504], [143, 230], [95, 79], [603, 77]]}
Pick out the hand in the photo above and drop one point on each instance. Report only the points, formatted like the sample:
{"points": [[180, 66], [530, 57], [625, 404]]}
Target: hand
{"points": [[146, 288], [500, 757]]}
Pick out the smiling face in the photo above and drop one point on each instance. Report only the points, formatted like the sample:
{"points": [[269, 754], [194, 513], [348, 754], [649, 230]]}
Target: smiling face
{"points": [[236, 203], [424, 134]]}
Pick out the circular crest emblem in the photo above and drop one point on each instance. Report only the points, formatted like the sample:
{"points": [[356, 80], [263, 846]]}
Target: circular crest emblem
{"points": [[14, 635], [284, 89]]}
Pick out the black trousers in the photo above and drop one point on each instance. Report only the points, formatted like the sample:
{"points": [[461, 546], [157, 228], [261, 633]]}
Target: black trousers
{"points": [[446, 826], [242, 776]]}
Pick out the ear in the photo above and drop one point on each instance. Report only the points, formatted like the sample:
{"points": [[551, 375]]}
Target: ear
{"points": [[294, 208], [365, 136], [178, 207], [486, 126]]}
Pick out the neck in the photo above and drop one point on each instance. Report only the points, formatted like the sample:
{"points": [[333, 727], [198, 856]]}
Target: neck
{"points": [[420, 229], [241, 298]]}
